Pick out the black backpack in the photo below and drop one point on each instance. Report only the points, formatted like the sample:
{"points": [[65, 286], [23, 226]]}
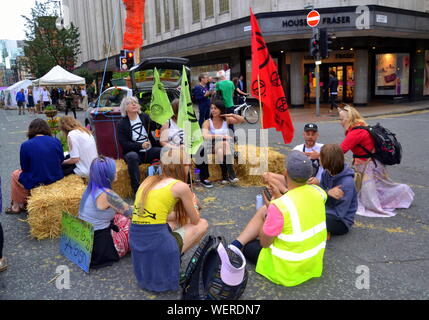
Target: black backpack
{"points": [[203, 279], [388, 150]]}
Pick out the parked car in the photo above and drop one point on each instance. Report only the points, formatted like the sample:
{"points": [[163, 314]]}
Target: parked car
{"points": [[108, 100], [170, 71]]}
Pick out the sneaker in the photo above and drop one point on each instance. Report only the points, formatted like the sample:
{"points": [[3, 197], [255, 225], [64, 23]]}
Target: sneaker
{"points": [[206, 183], [233, 180], [224, 181], [3, 264]]}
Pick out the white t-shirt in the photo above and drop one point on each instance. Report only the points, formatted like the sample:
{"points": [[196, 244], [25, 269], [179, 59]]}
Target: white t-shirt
{"points": [[45, 95], [176, 135], [316, 147], [139, 132], [84, 148]]}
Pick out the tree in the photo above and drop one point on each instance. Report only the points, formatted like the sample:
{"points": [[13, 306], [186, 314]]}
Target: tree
{"points": [[85, 73], [46, 45]]}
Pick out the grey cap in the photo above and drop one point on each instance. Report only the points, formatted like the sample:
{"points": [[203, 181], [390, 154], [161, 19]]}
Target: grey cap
{"points": [[299, 167]]}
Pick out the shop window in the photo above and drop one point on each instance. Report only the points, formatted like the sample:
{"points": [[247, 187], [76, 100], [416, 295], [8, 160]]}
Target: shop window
{"points": [[195, 11], [176, 14], [392, 74], [209, 9], [158, 17], [223, 6], [166, 16]]}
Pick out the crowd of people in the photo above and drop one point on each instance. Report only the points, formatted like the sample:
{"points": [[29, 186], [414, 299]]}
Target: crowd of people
{"points": [[74, 97], [315, 197]]}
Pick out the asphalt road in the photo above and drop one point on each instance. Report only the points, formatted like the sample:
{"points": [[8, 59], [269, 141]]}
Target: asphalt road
{"points": [[395, 250]]}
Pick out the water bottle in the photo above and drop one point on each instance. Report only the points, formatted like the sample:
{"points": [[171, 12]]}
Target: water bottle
{"points": [[259, 201], [197, 175]]}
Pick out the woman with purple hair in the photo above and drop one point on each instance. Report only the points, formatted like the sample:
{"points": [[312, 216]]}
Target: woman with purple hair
{"points": [[107, 212]]}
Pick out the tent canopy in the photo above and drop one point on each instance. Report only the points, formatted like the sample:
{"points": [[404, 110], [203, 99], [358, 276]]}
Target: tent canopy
{"points": [[57, 76], [10, 92]]}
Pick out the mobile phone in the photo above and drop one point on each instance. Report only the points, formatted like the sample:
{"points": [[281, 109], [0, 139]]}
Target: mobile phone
{"points": [[267, 193]]}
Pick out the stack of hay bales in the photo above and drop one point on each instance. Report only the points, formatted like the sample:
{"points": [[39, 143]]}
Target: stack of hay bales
{"points": [[122, 185], [47, 202], [250, 172]]}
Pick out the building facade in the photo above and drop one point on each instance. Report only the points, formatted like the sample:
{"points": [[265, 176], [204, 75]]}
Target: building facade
{"points": [[380, 48]]}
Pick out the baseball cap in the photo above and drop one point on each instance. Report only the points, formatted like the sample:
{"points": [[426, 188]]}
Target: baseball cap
{"points": [[310, 127], [299, 167]]}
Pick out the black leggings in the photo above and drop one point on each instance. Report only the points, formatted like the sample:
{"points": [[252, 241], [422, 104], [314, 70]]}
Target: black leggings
{"points": [[72, 108], [251, 251], [1, 241], [335, 227]]}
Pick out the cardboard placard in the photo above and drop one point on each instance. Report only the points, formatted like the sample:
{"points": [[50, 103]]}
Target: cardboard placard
{"points": [[77, 239]]}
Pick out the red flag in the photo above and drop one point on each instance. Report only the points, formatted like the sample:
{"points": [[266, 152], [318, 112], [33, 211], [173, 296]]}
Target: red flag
{"points": [[133, 36], [269, 89]]}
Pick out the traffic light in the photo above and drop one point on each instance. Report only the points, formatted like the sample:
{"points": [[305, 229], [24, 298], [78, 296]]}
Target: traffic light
{"points": [[325, 42], [130, 59], [126, 60], [314, 45]]}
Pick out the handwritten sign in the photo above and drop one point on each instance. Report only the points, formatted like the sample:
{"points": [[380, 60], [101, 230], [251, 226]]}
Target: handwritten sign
{"points": [[77, 238]]}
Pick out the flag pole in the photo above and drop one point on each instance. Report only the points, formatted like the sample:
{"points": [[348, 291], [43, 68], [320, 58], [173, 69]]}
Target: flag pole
{"points": [[260, 102]]}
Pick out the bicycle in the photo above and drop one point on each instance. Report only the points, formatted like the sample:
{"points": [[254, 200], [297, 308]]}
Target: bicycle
{"points": [[250, 113]]}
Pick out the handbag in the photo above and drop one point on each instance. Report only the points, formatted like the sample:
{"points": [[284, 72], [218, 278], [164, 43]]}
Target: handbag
{"points": [[359, 175]]}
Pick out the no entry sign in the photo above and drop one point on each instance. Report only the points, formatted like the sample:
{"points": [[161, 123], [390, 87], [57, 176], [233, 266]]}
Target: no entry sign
{"points": [[313, 18]]}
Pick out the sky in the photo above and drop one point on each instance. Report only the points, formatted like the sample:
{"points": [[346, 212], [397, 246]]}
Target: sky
{"points": [[11, 23]]}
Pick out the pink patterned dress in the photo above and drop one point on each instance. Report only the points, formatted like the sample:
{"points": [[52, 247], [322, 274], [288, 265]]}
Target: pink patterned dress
{"points": [[380, 196]]}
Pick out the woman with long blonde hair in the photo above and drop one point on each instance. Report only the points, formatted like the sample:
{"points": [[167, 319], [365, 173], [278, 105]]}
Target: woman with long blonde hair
{"points": [[379, 195], [166, 223], [82, 147]]}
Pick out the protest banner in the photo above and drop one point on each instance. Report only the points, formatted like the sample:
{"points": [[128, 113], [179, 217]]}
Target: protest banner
{"points": [[77, 238]]}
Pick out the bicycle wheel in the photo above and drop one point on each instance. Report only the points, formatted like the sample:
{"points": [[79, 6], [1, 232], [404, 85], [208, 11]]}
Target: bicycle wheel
{"points": [[251, 114]]}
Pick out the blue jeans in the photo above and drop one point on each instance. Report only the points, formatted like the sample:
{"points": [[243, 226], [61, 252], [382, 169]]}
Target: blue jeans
{"points": [[204, 110]]}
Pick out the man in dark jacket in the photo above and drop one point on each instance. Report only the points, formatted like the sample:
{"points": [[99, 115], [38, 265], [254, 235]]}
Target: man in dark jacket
{"points": [[134, 135], [202, 98], [333, 89]]}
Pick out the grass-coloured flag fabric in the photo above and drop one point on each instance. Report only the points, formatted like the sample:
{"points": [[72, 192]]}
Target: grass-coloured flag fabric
{"points": [[160, 107], [187, 120]]}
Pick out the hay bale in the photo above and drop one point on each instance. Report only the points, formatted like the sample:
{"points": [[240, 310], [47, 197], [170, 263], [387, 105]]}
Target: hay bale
{"points": [[46, 203], [122, 185], [250, 172]]}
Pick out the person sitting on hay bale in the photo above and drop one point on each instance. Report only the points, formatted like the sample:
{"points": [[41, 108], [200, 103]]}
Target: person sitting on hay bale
{"points": [[41, 157], [135, 138], [165, 224], [107, 212], [82, 147], [216, 131], [173, 137]]}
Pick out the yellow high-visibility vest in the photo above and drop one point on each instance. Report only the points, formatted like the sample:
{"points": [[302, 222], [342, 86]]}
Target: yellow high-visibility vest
{"points": [[296, 255]]}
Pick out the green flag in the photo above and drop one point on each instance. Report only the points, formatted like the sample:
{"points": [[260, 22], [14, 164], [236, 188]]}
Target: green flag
{"points": [[160, 107], [187, 120]]}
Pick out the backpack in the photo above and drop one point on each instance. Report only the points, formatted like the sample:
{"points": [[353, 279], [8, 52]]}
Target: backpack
{"points": [[388, 150], [210, 266]]}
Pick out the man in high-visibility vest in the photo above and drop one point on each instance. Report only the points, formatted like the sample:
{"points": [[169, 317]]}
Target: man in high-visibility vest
{"points": [[290, 231]]}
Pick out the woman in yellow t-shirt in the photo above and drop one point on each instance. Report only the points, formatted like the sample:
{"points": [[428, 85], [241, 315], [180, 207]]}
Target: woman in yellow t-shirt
{"points": [[165, 224]]}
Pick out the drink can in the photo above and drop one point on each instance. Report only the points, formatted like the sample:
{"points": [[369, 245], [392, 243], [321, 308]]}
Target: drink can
{"points": [[197, 175], [259, 201]]}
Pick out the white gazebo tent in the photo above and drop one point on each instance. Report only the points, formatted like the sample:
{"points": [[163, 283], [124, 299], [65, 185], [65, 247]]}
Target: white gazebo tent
{"points": [[10, 92], [58, 77]]}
